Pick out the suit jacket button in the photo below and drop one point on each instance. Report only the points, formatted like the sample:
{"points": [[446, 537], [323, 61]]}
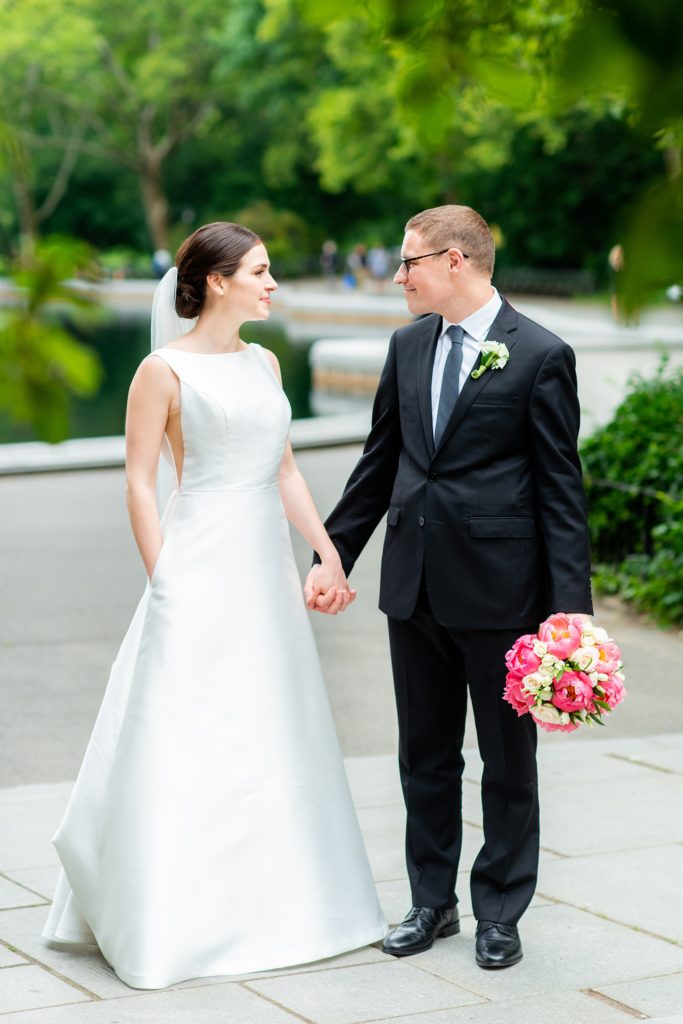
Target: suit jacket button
{"points": [[421, 520], [433, 477]]}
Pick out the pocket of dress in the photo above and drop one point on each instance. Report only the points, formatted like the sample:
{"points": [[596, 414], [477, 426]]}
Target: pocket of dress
{"points": [[155, 571]]}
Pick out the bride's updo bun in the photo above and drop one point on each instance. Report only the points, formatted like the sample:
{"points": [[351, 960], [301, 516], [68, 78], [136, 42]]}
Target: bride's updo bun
{"points": [[215, 248]]}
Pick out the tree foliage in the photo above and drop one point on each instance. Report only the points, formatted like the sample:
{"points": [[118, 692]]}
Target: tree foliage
{"points": [[632, 53], [42, 363], [349, 117], [88, 78]]}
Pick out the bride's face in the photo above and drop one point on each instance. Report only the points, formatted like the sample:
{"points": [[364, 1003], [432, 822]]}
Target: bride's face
{"points": [[249, 289]]}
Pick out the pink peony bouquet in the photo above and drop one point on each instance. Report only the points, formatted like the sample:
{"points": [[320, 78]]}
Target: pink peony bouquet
{"points": [[566, 674]]}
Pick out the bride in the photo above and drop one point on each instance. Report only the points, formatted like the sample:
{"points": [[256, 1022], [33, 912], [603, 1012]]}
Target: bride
{"points": [[211, 829]]}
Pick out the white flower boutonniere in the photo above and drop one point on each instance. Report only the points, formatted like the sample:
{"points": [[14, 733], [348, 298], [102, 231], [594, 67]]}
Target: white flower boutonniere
{"points": [[494, 356]]}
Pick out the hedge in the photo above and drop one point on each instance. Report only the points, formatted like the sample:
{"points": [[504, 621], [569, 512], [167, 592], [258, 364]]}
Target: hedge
{"points": [[633, 472]]}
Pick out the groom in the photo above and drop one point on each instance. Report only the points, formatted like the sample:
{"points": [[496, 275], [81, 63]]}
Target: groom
{"points": [[487, 534]]}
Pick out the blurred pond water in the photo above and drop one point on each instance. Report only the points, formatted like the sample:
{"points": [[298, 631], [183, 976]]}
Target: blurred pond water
{"points": [[122, 343]]}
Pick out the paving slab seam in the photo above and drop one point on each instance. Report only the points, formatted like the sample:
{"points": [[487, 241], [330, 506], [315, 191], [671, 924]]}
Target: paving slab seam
{"points": [[479, 996], [617, 849], [26, 906], [644, 764], [545, 849], [297, 971], [50, 970], [420, 1013], [615, 1004], [27, 888], [39, 1009], [273, 1002], [417, 1015], [611, 920]]}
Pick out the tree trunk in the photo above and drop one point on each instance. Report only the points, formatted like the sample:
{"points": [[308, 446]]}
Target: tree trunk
{"points": [[28, 221], [672, 159], [154, 198]]}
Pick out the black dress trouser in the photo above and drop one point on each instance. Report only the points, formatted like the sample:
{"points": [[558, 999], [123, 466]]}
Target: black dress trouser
{"points": [[433, 666]]}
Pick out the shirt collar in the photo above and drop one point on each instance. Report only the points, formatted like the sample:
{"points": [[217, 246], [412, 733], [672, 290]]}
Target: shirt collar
{"points": [[478, 324]]}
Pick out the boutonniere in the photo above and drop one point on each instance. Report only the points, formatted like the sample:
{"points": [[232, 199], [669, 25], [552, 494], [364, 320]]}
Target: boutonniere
{"points": [[494, 356]]}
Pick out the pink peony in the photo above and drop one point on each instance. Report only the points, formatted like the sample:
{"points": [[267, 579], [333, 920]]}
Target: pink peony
{"points": [[521, 659], [560, 635], [613, 689], [516, 695], [573, 692], [609, 658]]}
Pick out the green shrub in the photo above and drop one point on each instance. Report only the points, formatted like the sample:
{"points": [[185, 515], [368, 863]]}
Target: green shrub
{"points": [[633, 470]]}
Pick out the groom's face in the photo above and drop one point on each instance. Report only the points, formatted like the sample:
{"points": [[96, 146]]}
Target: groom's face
{"points": [[428, 283]]}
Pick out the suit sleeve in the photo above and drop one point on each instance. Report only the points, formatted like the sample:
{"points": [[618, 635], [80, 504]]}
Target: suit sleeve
{"points": [[366, 496], [554, 425]]}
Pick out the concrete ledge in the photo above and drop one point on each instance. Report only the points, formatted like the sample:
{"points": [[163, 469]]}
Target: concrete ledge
{"points": [[109, 452]]}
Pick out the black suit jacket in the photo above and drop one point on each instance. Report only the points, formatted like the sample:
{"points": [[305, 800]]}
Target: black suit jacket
{"points": [[495, 515]]}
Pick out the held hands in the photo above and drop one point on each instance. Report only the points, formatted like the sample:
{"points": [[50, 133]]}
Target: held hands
{"points": [[326, 589]]}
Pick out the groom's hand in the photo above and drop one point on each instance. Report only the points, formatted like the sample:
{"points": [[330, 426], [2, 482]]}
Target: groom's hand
{"points": [[327, 590], [334, 601]]}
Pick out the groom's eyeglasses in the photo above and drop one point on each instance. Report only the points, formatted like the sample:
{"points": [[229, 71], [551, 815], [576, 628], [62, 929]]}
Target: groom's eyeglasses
{"points": [[408, 262]]}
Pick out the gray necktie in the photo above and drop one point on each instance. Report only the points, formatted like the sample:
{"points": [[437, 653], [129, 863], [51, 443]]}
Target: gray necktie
{"points": [[451, 381]]}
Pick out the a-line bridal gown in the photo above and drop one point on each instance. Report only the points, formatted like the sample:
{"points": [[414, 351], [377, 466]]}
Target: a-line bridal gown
{"points": [[211, 829]]}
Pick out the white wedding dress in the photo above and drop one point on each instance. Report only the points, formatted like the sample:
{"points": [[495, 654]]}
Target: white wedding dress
{"points": [[211, 829]]}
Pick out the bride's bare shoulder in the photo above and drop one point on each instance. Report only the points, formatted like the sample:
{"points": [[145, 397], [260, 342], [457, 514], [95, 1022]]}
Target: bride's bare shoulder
{"points": [[154, 374], [273, 360]]}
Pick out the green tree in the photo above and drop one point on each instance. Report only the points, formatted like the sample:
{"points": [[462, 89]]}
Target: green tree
{"points": [[422, 92], [48, 57], [88, 78], [158, 89], [629, 53], [580, 189]]}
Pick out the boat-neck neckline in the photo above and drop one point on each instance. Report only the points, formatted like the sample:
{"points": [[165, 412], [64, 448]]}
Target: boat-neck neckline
{"points": [[189, 352]]}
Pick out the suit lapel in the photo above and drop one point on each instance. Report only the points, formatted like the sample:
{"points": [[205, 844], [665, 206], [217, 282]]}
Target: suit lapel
{"points": [[431, 329], [502, 329]]}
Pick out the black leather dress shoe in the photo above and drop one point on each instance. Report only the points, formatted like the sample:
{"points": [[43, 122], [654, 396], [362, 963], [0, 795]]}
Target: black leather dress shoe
{"points": [[417, 931], [498, 945]]}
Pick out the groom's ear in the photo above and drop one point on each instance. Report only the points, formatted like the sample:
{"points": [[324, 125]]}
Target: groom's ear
{"points": [[456, 258]]}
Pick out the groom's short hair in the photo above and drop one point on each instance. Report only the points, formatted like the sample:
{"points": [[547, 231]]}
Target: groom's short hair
{"points": [[459, 226]]}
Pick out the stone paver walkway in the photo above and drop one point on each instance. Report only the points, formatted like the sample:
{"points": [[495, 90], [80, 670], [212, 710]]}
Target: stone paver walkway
{"points": [[603, 937]]}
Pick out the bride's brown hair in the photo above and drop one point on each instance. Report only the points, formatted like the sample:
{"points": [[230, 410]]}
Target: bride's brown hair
{"points": [[214, 248]]}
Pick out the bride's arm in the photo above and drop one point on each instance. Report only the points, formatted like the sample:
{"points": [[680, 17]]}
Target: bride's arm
{"points": [[152, 392], [303, 515]]}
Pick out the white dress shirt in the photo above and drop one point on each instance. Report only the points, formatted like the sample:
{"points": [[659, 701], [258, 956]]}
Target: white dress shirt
{"points": [[476, 327]]}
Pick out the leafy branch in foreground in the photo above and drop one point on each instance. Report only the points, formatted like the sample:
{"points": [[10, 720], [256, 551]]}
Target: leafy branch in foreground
{"points": [[41, 363]]}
